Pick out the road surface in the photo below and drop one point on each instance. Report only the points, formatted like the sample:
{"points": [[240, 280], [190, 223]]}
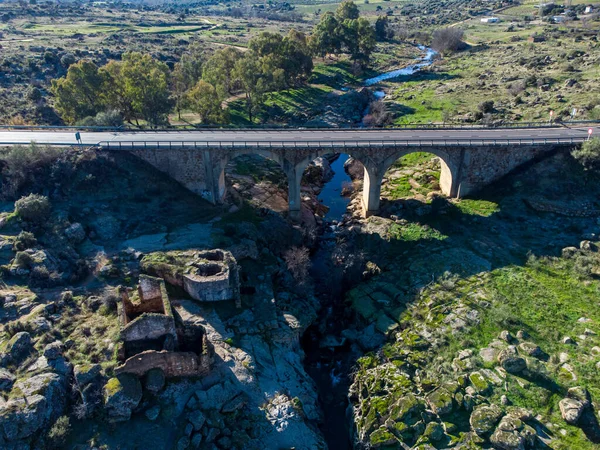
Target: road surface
{"points": [[294, 136]]}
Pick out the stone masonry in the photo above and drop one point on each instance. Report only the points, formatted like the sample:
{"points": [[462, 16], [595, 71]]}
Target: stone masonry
{"points": [[465, 169]]}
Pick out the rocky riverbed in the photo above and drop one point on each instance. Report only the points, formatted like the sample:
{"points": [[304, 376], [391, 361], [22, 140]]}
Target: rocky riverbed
{"points": [[437, 324]]}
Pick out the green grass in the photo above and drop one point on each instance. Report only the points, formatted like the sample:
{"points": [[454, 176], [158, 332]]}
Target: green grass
{"points": [[477, 207], [414, 232]]}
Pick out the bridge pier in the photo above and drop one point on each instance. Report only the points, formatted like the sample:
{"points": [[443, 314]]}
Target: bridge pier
{"points": [[294, 178], [372, 189]]}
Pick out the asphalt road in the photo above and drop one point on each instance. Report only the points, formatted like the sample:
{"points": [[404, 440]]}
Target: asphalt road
{"points": [[63, 137]]}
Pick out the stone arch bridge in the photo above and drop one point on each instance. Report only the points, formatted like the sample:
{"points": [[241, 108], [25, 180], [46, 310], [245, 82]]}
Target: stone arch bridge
{"points": [[471, 158]]}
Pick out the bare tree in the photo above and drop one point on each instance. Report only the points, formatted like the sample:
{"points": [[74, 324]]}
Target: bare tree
{"points": [[298, 263], [448, 40]]}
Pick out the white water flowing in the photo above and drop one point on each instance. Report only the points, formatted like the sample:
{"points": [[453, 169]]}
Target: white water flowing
{"points": [[426, 60]]}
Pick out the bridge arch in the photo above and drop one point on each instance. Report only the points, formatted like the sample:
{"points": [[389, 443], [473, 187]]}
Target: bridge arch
{"points": [[220, 166], [374, 174]]}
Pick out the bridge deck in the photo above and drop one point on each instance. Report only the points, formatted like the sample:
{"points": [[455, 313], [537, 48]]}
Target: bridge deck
{"points": [[305, 137]]}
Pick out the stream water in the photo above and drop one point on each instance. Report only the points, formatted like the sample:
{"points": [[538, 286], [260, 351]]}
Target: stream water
{"points": [[329, 358]]}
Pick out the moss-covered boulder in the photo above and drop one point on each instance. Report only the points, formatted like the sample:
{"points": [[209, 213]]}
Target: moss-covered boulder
{"points": [[383, 439], [441, 401], [479, 383], [121, 396], [484, 418]]}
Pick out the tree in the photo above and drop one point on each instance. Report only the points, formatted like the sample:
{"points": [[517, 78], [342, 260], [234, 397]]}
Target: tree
{"points": [[297, 59], [218, 70], [326, 36], [382, 28], [77, 95], [448, 40], [363, 40], [186, 73], [588, 155], [139, 88], [115, 97], [285, 61], [204, 101], [347, 11], [247, 72]]}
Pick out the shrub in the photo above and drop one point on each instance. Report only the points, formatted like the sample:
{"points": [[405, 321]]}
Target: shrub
{"points": [[298, 263], [58, 432], [20, 163], [448, 40], [33, 208], [67, 60], [34, 94], [486, 107], [24, 240], [23, 260], [588, 155]]}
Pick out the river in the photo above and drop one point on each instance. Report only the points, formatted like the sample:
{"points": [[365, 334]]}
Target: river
{"points": [[329, 358]]}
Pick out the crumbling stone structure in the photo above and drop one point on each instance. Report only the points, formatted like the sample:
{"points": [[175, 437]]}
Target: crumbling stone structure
{"points": [[147, 321], [213, 276], [149, 335]]}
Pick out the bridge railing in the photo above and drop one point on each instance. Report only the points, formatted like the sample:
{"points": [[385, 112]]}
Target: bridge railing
{"points": [[334, 144], [271, 127]]}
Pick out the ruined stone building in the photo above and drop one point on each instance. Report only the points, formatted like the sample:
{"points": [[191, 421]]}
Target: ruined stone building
{"points": [[151, 337], [213, 276]]}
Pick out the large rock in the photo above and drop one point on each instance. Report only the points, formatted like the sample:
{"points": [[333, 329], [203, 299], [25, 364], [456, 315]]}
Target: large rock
{"points": [[7, 380], [121, 396], [510, 360], [35, 403], [89, 380], [484, 418], [513, 434], [571, 410], [440, 401], [17, 349]]}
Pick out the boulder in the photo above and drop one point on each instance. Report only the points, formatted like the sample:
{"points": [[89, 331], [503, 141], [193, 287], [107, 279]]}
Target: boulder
{"points": [[530, 349], [54, 350], [484, 418], [440, 401], [121, 396], [571, 410], [35, 403], [579, 393], [75, 233], [154, 380], [17, 349], [511, 361], [7, 380], [197, 419], [152, 413]]}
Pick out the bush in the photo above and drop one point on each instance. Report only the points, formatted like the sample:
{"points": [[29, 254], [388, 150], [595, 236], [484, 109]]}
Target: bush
{"points": [[20, 163], [67, 60], [24, 241], [110, 118], [486, 107], [33, 208], [448, 40], [298, 263], [23, 260], [34, 94], [588, 155], [58, 432]]}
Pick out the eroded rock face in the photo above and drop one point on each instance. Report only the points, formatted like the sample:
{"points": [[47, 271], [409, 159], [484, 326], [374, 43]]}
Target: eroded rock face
{"points": [[38, 401]]}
